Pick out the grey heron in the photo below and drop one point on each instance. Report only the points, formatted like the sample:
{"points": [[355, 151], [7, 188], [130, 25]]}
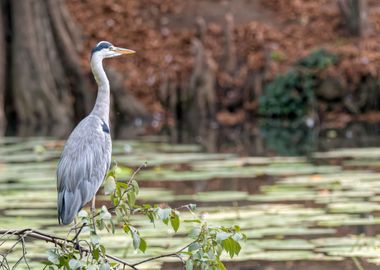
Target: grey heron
{"points": [[86, 156]]}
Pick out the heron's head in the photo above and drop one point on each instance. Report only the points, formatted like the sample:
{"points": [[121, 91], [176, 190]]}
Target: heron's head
{"points": [[104, 49]]}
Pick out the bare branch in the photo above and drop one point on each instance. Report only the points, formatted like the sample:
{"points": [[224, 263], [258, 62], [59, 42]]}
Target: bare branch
{"points": [[136, 172], [52, 239], [24, 233], [174, 254]]}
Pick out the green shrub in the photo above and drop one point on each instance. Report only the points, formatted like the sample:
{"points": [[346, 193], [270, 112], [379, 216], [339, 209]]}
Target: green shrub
{"points": [[319, 59], [288, 95], [291, 95]]}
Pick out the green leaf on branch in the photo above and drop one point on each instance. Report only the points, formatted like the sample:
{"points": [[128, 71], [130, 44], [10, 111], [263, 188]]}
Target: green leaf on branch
{"points": [[82, 214], [189, 265], [231, 246], [109, 185], [221, 265], [53, 257], [136, 187], [122, 185], [174, 221], [100, 224], [104, 214], [220, 236], [126, 228], [125, 172], [142, 245], [135, 237], [131, 198], [46, 262], [105, 266], [94, 238], [163, 214], [150, 215], [192, 221], [103, 249], [194, 246], [92, 267], [96, 254], [75, 264]]}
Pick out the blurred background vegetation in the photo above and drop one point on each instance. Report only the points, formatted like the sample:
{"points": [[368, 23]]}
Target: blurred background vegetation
{"points": [[200, 65]]}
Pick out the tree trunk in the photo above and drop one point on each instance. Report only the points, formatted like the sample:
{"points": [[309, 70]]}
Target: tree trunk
{"points": [[355, 14], [230, 61], [2, 72], [47, 91], [37, 72]]}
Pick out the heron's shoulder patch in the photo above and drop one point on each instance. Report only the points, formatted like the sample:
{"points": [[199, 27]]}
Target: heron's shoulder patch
{"points": [[105, 127]]}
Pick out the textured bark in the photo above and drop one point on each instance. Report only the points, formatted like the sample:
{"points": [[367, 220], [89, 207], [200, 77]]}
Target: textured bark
{"points": [[355, 14], [202, 84], [47, 91], [40, 89], [230, 59], [2, 71], [191, 102]]}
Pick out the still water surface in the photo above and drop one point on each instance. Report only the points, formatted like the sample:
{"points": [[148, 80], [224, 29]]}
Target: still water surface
{"points": [[300, 205]]}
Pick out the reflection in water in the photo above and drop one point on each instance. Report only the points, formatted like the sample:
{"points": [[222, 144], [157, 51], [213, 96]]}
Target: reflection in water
{"points": [[255, 138], [42, 130], [288, 265], [276, 137], [288, 138]]}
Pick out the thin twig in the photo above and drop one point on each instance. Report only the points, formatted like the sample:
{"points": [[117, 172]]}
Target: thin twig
{"points": [[9, 251], [20, 259], [110, 208], [24, 252], [174, 254], [53, 239], [357, 263], [79, 231], [125, 191], [129, 184], [136, 172], [62, 241]]}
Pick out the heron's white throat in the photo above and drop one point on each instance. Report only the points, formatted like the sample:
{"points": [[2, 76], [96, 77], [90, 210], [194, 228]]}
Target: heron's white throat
{"points": [[102, 103]]}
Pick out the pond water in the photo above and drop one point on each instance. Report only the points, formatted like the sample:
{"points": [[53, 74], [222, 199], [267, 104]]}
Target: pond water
{"points": [[312, 208]]}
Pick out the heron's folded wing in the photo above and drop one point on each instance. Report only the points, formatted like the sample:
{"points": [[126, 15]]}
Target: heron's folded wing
{"points": [[83, 165]]}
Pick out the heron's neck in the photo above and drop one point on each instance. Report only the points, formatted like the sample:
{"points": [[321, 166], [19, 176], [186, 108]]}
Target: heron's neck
{"points": [[102, 104]]}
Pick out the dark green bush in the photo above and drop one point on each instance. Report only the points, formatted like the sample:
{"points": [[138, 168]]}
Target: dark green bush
{"points": [[319, 59], [288, 95], [291, 95]]}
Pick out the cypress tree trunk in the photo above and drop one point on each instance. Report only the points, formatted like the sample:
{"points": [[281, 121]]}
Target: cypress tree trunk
{"points": [[355, 14], [47, 91], [2, 73], [44, 65]]}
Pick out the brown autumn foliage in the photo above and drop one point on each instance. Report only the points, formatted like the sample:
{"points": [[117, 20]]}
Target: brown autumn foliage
{"points": [[278, 33]]}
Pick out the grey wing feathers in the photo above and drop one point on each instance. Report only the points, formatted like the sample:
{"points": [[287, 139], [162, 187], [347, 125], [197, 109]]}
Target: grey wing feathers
{"points": [[84, 162]]}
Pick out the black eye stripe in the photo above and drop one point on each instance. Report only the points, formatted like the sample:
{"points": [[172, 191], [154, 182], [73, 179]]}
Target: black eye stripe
{"points": [[102, 45]]}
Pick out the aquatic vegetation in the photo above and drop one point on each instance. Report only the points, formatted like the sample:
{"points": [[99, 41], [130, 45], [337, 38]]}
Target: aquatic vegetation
{"points": [[289, 208]]}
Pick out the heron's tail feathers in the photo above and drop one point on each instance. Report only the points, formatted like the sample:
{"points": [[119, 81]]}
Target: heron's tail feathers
{"points": [[69, 204]]}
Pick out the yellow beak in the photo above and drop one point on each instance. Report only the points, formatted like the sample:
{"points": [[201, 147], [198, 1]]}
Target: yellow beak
{"points": [[123, 51]]}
